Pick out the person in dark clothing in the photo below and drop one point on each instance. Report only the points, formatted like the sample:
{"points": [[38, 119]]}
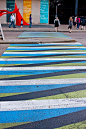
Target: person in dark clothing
{"points": [[70, 24], [56, 23], [30, 20], [83, 21], [78, 22], [21, 23]]}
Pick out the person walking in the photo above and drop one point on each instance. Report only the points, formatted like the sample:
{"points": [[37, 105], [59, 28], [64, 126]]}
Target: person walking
{"points": [[21, 23], [56, 24], [83, 21], [78, 22], [70, 24], [30, 20], [12, 21], [75, 21]]}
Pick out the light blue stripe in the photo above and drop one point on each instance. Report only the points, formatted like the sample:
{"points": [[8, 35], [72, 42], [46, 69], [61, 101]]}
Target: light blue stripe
{"points": [[31, 72], [45, 48], [49, 44], [78, 55], [43, 34], [43, 54], [31, 88], [28, 54], [38, 62], [35, 115], [27, 62]]}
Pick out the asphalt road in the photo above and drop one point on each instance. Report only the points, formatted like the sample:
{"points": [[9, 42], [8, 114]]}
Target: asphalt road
{"points": [[79, 37]]}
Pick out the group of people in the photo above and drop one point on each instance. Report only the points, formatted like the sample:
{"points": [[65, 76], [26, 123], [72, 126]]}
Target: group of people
{"points": [[76, 22], [12, 18]]}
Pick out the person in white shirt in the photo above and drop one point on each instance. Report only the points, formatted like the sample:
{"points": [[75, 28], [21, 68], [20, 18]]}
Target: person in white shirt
{"points": [[12, 21], [75, 21]]}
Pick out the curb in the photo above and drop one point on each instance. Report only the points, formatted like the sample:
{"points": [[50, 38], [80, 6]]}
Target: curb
{"points": [[29, 42], [73, 31]]}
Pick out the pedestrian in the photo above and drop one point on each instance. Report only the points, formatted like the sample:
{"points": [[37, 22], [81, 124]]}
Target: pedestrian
{"points": [[70, 24], [83, 21], [21, 23], [75, 21], [56, 24], [30, 20], [12, 21], [78, 22]]}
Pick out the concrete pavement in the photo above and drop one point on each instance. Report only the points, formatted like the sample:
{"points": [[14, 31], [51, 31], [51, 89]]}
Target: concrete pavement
{"points": [[11, 34]]}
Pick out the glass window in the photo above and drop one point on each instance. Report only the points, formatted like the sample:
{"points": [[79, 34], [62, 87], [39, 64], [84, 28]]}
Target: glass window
{"points": [[10, 5]]}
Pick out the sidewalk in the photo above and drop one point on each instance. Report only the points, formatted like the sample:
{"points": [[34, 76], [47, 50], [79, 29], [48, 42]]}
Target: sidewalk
{"points": [[11, 34]]}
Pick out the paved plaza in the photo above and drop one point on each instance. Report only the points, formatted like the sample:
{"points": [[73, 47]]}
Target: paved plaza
{"points": [[43, 85]]}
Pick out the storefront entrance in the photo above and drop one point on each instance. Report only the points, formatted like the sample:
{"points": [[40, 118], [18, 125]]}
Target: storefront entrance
{"points": [[65, 9]]}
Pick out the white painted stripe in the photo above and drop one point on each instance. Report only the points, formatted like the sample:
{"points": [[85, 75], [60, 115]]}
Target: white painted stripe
{"points": [[43, 47], [43, 68], [42, 82], [42, 104], [24, 59], [43, 52]]}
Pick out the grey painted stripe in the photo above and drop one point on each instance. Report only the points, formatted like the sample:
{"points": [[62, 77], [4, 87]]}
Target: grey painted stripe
{"points": [[41, 82], [42, 68], [24, 59], [42, 104]]}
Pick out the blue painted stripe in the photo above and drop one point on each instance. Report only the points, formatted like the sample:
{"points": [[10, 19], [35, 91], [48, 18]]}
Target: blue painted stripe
{"points": [[42, 54], [31, 88], [43, 34], [49, 44], [37, 61], [34, 115], [31, 72], [45, 48], [27, 61]]}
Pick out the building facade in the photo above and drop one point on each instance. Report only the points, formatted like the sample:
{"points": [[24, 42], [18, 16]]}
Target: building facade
{"points": [[44, 11]]}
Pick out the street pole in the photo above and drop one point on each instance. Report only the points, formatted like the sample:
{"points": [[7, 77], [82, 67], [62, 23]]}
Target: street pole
{"points": [[76, 7], [56, 10]]}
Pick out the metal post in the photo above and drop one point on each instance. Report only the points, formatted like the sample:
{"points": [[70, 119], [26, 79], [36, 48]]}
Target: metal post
{"points": [[2, 34], [76, 7], [56, 10]]}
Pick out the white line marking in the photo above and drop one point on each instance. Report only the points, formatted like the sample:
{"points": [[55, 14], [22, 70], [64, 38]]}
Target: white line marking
{"points": [[24, 59], [43, 68], [43, 82], [44, 52], [43, 47], [42, 104]]}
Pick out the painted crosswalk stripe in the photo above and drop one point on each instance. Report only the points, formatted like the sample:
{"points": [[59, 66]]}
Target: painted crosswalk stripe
{"points": [[44, 52], [35, 88], [42, 104], [46, 48], [41, 82], [34, 115], [43, 68], [25, 62], [49, 44]]}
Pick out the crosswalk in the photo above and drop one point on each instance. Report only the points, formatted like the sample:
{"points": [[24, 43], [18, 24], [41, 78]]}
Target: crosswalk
{"points": [[43, 86]]}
